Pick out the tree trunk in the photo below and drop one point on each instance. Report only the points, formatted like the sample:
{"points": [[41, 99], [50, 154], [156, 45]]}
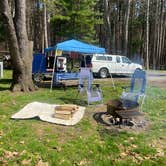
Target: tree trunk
{"points": [[19, 45], [45, 26], [127, 27], [155, 36], [147, 36], [163, 43], [119, 28], [108, 24], [38, 28], [161, 31]]}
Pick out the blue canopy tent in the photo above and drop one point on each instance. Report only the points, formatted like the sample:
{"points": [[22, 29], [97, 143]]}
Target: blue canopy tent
{"points": [[48, 49], [77, 46], [74, 46]]}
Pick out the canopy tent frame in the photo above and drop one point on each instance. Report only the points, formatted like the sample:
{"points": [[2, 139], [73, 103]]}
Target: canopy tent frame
{"points": [[75, 46]]}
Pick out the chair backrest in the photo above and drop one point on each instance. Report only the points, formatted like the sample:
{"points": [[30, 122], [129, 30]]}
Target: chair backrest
{"points": [[84, 72], [138, 81], [85, 77]]}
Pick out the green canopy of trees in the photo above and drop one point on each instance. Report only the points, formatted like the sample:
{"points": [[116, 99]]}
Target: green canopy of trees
{"points": [[119, 26], [74, 19]]}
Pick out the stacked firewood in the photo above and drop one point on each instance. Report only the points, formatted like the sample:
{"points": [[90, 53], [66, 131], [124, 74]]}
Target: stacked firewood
{"points": [[65, 112]]}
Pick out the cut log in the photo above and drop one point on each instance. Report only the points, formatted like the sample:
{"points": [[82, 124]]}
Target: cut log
{"points": [[62, 116], [65, 112], [67, 107]]}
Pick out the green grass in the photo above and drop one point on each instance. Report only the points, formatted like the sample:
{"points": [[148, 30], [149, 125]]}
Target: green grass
{"points": [[28, 142]]}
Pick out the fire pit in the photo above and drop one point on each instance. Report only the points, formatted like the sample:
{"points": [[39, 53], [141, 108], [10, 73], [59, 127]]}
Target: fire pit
{"points": [[123, 111]]}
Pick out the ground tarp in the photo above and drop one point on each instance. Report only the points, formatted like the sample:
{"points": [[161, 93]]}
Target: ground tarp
{"points": [[45, 112]]}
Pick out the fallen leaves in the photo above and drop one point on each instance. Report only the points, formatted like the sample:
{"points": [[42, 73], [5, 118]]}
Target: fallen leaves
{"points": [[3, 162], [158, 145], [41, 163], [134, 156], [160, 152], [22, 142], [83, 162], [9, 154], [1, 133], [127, 152], [26, 162]]}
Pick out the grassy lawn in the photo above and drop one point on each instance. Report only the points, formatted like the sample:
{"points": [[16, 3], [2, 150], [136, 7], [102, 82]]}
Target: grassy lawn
{"points": [[33, 142]]}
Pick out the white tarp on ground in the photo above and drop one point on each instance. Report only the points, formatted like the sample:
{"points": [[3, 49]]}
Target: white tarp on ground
{"points": [[45, 112]]}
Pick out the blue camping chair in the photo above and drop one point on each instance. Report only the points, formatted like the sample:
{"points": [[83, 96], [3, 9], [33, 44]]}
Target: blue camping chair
{"points": [[93, 91], [136, 90]]}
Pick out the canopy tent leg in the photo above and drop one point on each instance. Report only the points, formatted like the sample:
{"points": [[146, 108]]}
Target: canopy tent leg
{"points": [[52, 79], [112, 81]]}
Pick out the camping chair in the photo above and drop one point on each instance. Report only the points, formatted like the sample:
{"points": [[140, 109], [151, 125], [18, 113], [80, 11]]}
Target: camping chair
{"points": [[85, 77], [94, 94], [136, 90], [93, 91]]}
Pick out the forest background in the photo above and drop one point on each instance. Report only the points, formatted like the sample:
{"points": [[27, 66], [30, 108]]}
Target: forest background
{"points": [[135, 28]]}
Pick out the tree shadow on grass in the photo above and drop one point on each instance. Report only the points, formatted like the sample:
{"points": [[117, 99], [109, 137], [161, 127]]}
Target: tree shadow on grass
{"points": [[3, 83], [55, 86], [4, 88]]}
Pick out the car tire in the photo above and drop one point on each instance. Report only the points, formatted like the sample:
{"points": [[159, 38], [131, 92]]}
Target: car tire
{"points": [[103, 73]]}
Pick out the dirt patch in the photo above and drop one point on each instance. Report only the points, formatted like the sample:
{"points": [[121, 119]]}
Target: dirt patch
{"points": [[157, 82]]}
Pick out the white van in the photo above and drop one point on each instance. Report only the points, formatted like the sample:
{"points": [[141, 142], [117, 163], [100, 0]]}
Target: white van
{"points": [[104, 64]]}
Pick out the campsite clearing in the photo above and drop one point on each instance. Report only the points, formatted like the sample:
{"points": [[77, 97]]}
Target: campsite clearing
{"points": [[32, 142]]}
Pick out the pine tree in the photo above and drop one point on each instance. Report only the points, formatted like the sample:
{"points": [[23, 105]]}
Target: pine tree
{"points": [[75, 19]]}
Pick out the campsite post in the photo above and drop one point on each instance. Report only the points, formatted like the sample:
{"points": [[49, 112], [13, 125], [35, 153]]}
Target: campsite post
{"points": [[52, 79]]}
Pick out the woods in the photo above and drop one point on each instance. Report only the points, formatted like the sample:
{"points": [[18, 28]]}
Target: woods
{"points": [[138, 30], [135, 28]]}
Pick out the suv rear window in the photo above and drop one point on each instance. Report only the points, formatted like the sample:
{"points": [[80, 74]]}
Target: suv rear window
{"points": [[101, 58]]}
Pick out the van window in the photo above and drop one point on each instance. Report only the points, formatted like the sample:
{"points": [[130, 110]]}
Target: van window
{"points": [[101, 58], [109, 58], [118, 59]]}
